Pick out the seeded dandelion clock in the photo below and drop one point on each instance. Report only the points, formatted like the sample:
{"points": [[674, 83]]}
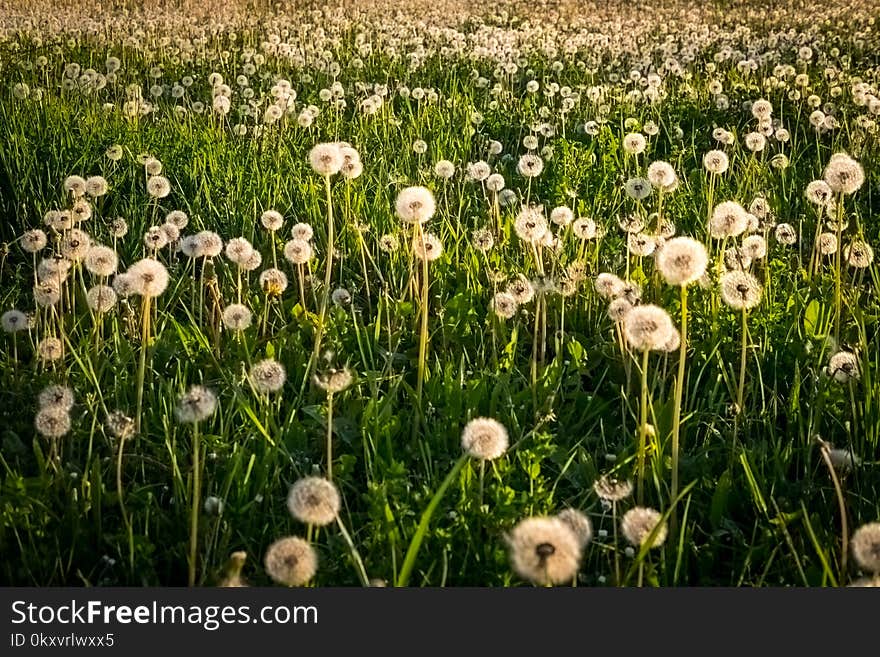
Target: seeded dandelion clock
{"points": [[843, 367], [682, 261], [158, 187], [639, 523], [415, 205], [267, 376], [866, 547], [314, 501], [291, 561], [484, 439], [648, 328], [326, 159], [544, 551]]}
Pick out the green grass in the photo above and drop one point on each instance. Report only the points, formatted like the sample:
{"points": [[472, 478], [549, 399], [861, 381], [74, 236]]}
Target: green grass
{"points": [[758, 506]]}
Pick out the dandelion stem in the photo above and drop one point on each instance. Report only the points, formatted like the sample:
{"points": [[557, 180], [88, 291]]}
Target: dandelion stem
{"points": [[330, 436], [121, 495], [423, 333], [740, 393], [142, 365], [676, 413], [841, 503], [196, 500], [643, 429], [325, 296]]}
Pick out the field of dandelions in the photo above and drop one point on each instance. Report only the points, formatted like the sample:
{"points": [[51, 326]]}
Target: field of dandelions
{"points": [[430, 293]]}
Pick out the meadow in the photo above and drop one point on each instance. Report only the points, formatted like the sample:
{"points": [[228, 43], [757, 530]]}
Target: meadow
{"points": [[409, 293]]}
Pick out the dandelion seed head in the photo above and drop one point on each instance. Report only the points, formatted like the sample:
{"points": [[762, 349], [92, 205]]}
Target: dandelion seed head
{"points": [[333, 380], [238, 250], [640, 244], [52, 421], [119, 227], [75, 186], [865, 544], [638, 189], [13, 321], [155, 238], [612, 489], [530, 224], [858, 254], [843, 367], [427, 247], [754, 247], [561, 215], [271, 220], [47, 293], [388, 243], [96, 186], [544, 551], [148, 277], [195, 405], [479, 171], [729, 219], [530, 165], [647, 327], [608, 285], [740, 290], [504, 305], [50, 349], [484, 439], [637, 525], [158, 186], [75, 245], [521, 289], [120, 425], [171, 232], [101, 298], [682, 261], [326, 159], [177, 217], [843, 174], [291, 561], [314, 501], [33, 241], [56, 396], [786, 234], [662, 176], [584, 228], [267, 376], [495, 182], [827, 243], [273, 282], [415, 205], [302, 231], [716, 162], [444, 169], [634, 143], [236, 317], [819, 193]]}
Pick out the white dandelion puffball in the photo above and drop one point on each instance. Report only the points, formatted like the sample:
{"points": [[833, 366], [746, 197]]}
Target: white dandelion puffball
{"points": [[415, 205], [484, 439]]}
